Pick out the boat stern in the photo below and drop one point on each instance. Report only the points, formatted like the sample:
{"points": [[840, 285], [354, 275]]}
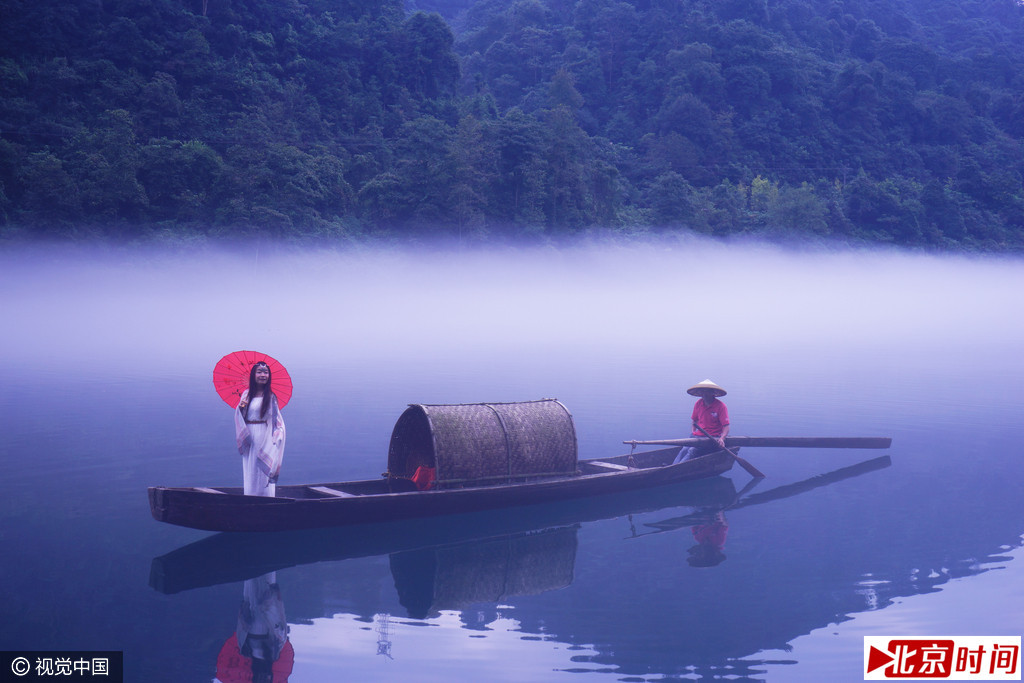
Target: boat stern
{"points": [[156, 503]]}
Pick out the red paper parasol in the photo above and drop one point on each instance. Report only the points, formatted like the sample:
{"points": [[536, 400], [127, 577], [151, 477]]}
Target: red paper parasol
{"points": [[231, 377]]}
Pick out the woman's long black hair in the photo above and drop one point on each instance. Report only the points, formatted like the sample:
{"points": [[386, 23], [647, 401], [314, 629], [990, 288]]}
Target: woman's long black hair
{"points": [[267, 392]]}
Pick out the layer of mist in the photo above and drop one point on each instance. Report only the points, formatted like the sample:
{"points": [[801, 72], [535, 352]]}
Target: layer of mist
{"points": [[694, 308]]}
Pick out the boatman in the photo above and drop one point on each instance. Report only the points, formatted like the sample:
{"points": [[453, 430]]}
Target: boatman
{"points": [[710, 414]]}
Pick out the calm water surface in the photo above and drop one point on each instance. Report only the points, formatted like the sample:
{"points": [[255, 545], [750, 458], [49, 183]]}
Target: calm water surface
{"points": [[107, 391]]}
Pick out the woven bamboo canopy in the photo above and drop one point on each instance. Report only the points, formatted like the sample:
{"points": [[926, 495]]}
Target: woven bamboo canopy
{"points": [[483, 443]]}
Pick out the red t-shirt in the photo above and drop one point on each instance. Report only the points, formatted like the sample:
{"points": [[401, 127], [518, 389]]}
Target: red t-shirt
{"points": [[711, 417]]}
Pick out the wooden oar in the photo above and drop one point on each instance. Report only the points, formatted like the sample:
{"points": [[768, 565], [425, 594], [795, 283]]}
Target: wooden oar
{"points": [[779, 442], [754, 472]]}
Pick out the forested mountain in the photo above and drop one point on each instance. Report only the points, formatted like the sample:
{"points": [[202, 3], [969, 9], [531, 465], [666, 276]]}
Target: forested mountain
{"points": [[871, 120]]}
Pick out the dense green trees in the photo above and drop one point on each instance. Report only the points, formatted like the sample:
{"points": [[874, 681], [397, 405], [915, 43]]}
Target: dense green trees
{"points": [[879, 121], [898, 121]]}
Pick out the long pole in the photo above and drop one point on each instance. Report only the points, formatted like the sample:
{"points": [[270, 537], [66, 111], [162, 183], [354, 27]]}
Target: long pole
{"points": [[754, 472], [780, 442]]}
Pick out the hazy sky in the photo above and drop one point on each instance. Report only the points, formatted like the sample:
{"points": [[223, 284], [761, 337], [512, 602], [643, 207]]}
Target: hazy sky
{"points": [[144, 309]]}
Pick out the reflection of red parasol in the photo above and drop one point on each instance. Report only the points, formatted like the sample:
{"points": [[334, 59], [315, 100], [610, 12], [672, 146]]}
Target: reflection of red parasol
{"points": [[231, 377], [234, 667]]}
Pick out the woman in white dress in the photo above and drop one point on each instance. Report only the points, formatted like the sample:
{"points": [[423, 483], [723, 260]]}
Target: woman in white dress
{"points": [[259, 432]]}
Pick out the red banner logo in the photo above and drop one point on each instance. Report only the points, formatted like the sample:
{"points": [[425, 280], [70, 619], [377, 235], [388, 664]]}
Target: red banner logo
{"points": [[963, 658]]}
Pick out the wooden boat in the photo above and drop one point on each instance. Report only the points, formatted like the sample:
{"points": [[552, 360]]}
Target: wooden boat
{"points": [[393, 499], [481, 456]]}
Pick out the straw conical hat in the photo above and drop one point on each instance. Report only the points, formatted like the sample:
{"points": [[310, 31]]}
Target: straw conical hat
{"points": [[706, 384]]}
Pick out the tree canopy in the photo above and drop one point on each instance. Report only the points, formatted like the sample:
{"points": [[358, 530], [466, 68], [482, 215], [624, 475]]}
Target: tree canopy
{"points": [[898, 121]]}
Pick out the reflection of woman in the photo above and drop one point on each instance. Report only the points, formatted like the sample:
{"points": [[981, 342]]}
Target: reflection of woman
{"points": [[259, 651], [259, 432], [262, 629]]}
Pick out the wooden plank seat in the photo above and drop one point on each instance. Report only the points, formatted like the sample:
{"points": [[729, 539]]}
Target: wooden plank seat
{"points": [[331, 492], [608, 465]]}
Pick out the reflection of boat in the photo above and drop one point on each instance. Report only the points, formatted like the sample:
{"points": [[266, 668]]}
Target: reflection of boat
{"points": [[232, 557], [453, 577], [443, 460], [779, 492], [703, 621], [794, 566]]}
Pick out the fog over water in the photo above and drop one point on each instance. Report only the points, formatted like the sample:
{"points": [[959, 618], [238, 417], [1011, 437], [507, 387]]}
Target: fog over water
{"points": [[604, 327], [129, 309], [108, 358]]}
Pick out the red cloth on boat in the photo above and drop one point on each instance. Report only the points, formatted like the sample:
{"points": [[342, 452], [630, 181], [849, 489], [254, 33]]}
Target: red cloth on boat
{"points": [[424, 478]]}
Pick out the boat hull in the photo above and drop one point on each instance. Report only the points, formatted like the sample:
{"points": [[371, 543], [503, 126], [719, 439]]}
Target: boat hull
{"points": [[228, 510], [234, 557]]}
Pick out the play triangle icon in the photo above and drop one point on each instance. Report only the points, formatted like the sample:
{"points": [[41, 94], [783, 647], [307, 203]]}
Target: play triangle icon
{"points": [[877, 658]]}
